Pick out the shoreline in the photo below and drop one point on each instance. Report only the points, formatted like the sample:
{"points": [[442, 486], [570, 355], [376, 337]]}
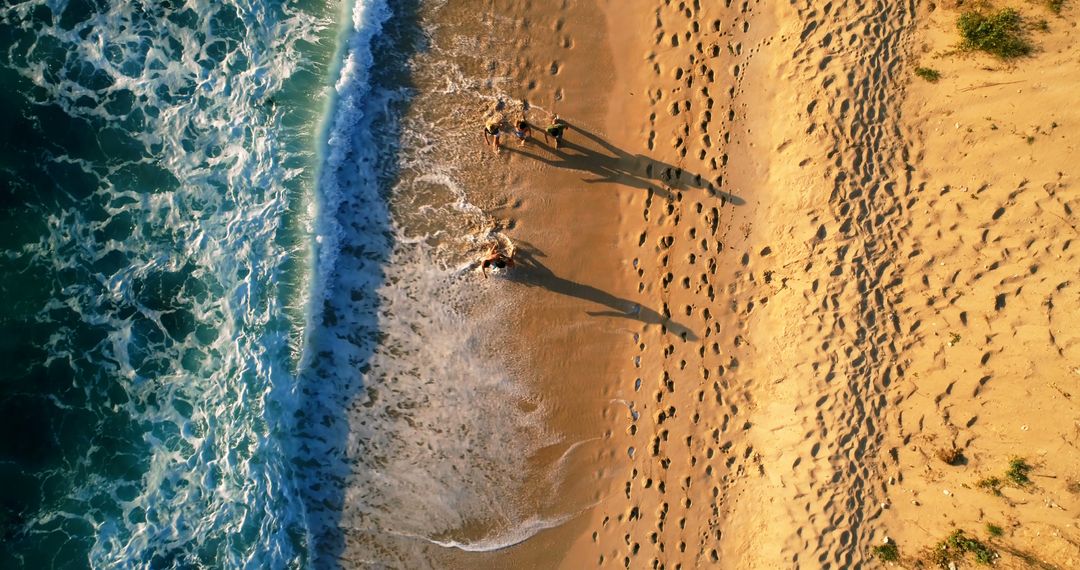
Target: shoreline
{"points": [[718, 313]]}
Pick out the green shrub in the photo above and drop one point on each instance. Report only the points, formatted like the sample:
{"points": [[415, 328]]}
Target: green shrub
{"points": [[999, 33], [954, 548], [931, 75], [994, 530], [1018, 472], [1055, 5], [887, 552], [992, 484]]}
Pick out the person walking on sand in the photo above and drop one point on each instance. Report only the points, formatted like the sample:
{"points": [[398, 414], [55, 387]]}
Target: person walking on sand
{"points": [[496, 259], [555, 130], [492, 132], [522, 130]]}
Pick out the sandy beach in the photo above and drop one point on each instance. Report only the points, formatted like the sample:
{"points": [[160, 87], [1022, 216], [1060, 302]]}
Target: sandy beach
{"points": [[798, 286], [775, 277]]}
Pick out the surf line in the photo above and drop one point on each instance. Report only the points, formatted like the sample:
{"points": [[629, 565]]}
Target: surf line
{"points": [[530, 528]]}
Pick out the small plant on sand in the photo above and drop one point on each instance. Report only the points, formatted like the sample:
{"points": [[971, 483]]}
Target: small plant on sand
{"points": [[992, 484], [1055, 6], [887, 552], [957, 546], [999, 33], [994, 530], [950, 455], [1018, 472], [931, 75], [954, 339]]}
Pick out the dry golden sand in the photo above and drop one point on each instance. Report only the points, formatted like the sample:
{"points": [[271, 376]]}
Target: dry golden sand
{"points": [[991, 297], [841, 269], [926, 275]]}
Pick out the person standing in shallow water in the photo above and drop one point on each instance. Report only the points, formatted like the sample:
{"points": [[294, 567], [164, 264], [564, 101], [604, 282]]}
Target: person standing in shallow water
{"points": [[492, 132], [522, 130], [555, 130], [496, 259]]}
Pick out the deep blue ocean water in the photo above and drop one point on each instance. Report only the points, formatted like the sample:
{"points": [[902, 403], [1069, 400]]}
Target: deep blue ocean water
{"points": [[157, 201]]}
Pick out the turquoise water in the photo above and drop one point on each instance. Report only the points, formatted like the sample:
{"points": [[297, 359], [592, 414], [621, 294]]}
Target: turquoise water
{"points": [[157, 166]]}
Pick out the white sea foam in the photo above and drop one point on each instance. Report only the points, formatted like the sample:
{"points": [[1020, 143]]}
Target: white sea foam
{"points": [[517, 535], [193, 333], [409, 426]]}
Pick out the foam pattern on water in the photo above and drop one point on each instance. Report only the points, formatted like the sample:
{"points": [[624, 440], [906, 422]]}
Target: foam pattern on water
{"points": [[411, 435], [171, 258]]}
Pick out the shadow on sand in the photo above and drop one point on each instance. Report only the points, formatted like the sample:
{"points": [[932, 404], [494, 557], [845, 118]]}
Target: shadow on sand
{"points": [[608, 163], [531, 272]]}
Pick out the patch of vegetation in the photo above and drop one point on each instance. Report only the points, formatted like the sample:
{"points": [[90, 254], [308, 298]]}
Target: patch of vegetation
{"points": [[887, 552], [931, 75], [959, 545], [992, 484], [1018, 472], [1000, 33], [954, 339], [1055, 6], [994, 530], [951, 456]]}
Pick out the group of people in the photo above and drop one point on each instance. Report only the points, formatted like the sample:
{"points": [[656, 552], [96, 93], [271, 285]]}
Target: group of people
{"points": [[501, 256], [522, 130]]}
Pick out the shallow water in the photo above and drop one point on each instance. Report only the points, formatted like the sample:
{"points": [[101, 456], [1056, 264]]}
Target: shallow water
{"points": [[426, 429]]}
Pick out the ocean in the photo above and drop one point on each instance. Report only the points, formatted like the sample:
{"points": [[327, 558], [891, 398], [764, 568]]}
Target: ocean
{"points": [[240, 328]]}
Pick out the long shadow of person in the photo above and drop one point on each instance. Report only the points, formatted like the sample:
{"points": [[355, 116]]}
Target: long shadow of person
{"points": [[602, 167], [531, 272], [609, 163]]}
